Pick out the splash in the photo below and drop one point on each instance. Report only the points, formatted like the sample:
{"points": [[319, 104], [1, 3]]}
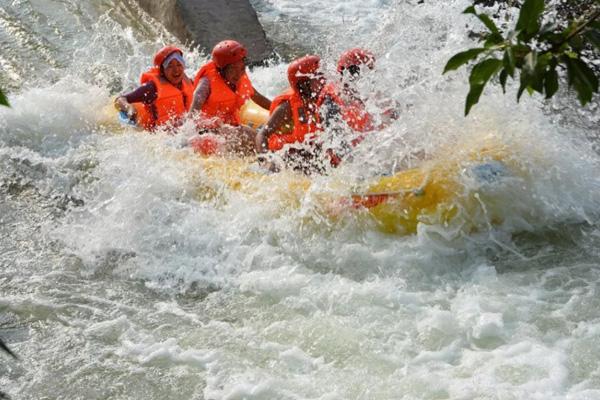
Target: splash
{"points": [[133, 268]]}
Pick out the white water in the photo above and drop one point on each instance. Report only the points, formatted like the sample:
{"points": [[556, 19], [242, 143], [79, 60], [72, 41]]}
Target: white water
{"points": [[119, 279]]}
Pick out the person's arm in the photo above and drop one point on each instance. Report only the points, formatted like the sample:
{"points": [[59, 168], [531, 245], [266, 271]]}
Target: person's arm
{"points": [[200, 95], [331, 115], [391, 110], [144, 94], [281, 116], [261, 100], [122, 105], [330, 112]]}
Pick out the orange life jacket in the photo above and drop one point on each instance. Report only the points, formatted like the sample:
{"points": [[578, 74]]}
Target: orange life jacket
{"points": [[171, 102], [305, 120], [353, 110], [223, 102]]}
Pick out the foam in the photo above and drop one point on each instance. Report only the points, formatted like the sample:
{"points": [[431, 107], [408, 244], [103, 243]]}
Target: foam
{"points": [[217, 293]]}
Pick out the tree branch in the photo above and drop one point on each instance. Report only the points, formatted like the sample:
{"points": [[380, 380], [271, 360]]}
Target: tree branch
{"points": [[580, 29]]}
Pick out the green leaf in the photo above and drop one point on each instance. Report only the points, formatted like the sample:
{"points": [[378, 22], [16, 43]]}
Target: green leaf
{"points": [[470, 10], [520, 51], [483, 71], [543, 60], [493, 39], [593, 36], [534, 71], [503, 78], [552, 38], [524, 85], [530, 15], [487, 21], [3, 99], [480, 75], [576, 43], [509, 61], [537, 82], [530, 62], [462, 58], [570, 54], [582, 78], [550, 83], [473, 97]]}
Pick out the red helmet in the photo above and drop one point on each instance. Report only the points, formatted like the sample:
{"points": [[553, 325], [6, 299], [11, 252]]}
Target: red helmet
{"points": [[228, 52], [301, 68], [356, 56], [165, 52]]}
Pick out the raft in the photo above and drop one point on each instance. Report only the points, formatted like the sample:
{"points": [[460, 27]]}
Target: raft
{"points": [[434, 194], [253, 115]]}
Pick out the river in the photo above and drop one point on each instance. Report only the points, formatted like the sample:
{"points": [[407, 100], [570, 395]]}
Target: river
{"points": [[127, 272]]}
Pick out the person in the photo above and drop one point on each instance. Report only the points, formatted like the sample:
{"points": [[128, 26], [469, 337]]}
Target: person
{"points": [[222, 87], [294, 117], [165, 95], [341, 102], [342, 99]]}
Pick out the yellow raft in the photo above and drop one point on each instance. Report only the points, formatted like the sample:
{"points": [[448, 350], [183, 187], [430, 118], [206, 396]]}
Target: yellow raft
{"points": [[433, 194], [253, 115]]}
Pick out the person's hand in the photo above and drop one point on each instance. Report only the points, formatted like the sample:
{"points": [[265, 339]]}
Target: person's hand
{"points": [[122, 105], [391, 114], [267, 161], [204, 123]]}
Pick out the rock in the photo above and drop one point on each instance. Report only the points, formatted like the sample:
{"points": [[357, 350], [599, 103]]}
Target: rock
{"points": [[207, 22]]}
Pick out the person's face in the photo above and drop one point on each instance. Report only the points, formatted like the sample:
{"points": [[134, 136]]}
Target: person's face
{"points": [[317, 83], [311, 87], [353, 72], [233, 72], [174, 72]]}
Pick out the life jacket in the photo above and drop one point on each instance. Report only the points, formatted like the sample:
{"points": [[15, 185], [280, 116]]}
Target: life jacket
{"points": [[305, 121], [223, 102], [353, 110], [170, 104]]}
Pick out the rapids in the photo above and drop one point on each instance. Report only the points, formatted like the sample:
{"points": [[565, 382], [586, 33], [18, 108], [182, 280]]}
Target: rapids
{"points": [[128, 272]]}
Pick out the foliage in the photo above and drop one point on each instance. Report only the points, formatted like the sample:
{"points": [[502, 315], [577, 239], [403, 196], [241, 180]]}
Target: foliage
{"points": [[3, 99], [534, 52]]}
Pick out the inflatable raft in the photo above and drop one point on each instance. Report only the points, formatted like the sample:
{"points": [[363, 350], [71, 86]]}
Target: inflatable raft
{"points": [[441, 191], [434, 193], [437, 192]]}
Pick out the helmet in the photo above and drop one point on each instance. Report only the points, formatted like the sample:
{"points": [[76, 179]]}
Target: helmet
{"points": [[302, 67], [228, 52], [163, 53], [356, 56]]}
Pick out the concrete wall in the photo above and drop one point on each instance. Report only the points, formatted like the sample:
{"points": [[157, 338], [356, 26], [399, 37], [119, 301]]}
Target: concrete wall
{"points": [[207, 22]]}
